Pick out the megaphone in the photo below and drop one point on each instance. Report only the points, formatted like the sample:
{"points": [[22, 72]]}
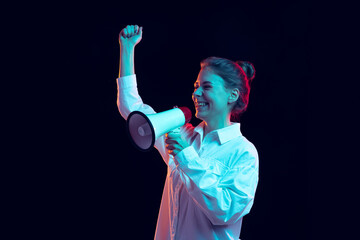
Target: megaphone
{"points": [[144, 129]]}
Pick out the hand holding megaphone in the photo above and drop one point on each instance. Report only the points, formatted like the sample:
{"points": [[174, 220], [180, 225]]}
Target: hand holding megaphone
{"points": [[175, 142]]}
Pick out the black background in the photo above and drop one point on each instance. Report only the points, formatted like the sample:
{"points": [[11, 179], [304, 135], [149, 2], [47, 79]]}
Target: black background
{"points": [[90, 182]]}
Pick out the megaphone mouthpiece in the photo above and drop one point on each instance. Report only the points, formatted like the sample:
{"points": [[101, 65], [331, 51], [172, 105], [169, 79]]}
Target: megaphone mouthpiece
{"points": [[187, 113]]}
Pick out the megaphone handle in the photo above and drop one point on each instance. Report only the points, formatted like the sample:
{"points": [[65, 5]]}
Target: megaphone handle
{"points": [[176, 130]]}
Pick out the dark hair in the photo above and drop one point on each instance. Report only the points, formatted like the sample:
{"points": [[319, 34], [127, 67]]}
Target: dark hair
{"points": [[237, 74]]}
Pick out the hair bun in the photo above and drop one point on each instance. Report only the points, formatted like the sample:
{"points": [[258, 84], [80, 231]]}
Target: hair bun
{"points": [[248, 68]]}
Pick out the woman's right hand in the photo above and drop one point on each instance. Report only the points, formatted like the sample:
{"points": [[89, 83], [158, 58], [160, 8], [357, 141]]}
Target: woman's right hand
{"points": [[130, 36]]}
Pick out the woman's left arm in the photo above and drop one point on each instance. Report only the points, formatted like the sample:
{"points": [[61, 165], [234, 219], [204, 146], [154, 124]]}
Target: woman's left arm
{"points": [[224, 195]]}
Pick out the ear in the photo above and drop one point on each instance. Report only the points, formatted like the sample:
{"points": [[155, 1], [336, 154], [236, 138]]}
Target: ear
{"points": [[234, 95]]}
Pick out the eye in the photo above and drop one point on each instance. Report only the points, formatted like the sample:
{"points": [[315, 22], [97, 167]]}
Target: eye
{"points": [[207, 87]]}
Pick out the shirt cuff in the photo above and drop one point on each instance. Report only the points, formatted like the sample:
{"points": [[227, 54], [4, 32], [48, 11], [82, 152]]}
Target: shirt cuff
{"points": [[127, 81]]}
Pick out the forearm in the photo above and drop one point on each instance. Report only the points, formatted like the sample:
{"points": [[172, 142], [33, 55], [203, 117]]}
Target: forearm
{"points": [[126, 67]]}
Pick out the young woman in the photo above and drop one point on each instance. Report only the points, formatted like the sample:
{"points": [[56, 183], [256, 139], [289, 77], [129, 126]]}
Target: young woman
{"points": [[212, 168]]}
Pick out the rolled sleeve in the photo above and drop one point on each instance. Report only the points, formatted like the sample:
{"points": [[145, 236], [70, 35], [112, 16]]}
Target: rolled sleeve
{"points": [[127, 82]]}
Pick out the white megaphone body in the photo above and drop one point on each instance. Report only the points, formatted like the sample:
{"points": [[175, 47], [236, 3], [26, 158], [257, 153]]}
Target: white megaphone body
{"points": [[144, 129]]}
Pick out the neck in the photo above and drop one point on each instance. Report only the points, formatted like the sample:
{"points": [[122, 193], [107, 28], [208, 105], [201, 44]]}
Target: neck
{"points": [[216, 124]]}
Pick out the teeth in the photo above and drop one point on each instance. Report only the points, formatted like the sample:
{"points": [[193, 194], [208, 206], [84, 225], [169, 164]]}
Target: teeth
{"points": [[201, 104]]}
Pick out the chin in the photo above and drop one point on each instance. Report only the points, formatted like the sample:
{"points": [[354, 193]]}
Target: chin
{"points": [[200, 116]]}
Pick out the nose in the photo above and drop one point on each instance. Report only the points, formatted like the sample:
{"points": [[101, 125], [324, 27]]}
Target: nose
{"points": [[197, 93]]}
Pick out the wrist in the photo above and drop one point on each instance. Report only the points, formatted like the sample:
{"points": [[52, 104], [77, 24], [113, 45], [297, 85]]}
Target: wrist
{"points": [[127, 48]]}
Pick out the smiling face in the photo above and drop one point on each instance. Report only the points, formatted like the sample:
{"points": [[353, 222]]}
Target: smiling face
{"points": [[210, 97]]}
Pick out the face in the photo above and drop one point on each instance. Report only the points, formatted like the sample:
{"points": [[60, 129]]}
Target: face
{"points": [[210, 96]]}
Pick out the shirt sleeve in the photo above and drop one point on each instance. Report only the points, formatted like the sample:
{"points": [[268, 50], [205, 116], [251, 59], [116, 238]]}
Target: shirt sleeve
{"points": [[224, 195], [129, 100]]}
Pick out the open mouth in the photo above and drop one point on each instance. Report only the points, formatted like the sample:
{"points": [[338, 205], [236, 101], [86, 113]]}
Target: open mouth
{"points": [[201, 105]]}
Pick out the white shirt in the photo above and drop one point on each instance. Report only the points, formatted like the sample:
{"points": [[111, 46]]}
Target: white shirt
{"points": [[210, 185]]}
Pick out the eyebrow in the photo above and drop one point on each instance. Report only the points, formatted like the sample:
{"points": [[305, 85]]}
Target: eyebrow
{"points": [[205, 82]]}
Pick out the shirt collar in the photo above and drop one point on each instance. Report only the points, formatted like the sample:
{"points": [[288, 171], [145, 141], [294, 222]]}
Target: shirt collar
{"points": [[224, 134]]}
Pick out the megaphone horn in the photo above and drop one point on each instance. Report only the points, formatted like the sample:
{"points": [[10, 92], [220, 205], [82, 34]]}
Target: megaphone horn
{"points": [[144, 129]]}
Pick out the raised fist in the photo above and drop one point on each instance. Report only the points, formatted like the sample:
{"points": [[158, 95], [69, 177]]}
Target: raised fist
{"points": [[130, 36]]}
